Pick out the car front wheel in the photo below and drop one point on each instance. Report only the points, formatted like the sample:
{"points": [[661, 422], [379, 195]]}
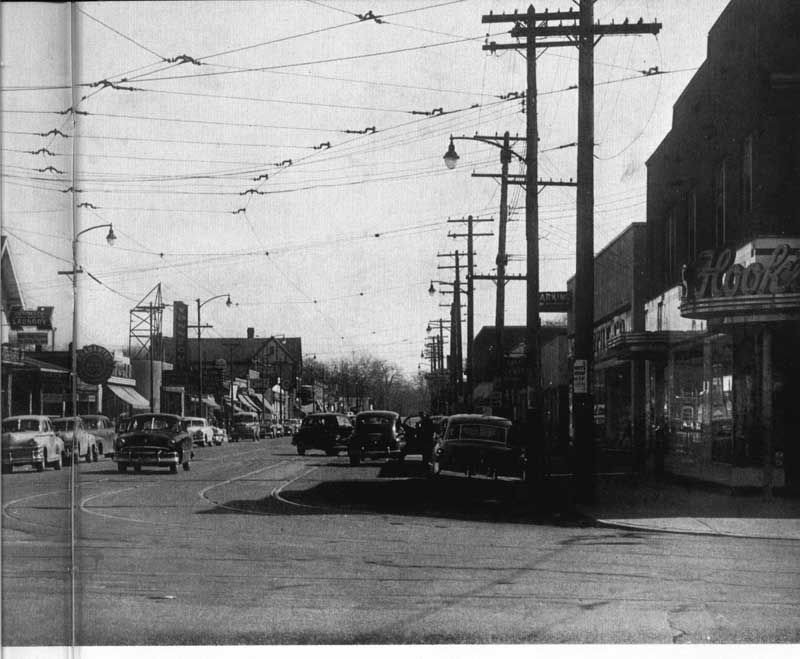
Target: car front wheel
{"points": [[58, 462], [435, 468], [41, 465]]}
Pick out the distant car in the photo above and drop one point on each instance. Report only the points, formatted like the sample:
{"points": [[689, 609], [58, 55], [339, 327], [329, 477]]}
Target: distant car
{"points": [[200, 430], [245, 426], [30, 440], [377, 434], [324, 431], [291, 426], [220, 435], [269, 428], [478, 444], [154, 440], [78, 442], [103, 430]]}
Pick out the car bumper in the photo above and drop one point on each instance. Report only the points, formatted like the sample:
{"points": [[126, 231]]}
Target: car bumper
{"points": [[147, 457], [23, 456], [480, 461], [376, 449]]}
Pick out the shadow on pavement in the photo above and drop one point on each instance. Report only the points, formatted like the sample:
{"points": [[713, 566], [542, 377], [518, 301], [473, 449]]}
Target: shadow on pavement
{"points": [[448, 497]]}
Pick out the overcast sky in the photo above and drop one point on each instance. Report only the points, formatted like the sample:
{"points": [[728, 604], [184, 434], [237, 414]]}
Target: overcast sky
{"points": [[338, 247]]}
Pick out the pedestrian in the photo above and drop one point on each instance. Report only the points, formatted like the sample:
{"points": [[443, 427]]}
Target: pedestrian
{"points": [[426, 437]]}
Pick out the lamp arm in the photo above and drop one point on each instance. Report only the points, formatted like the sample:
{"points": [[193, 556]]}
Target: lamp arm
{"points": [[97, 226], [486, 140]]}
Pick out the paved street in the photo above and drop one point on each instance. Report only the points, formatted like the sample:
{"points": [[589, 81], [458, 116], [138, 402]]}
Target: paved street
{"points": [[257, 545]]}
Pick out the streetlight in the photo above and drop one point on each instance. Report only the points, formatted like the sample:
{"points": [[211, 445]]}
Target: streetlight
{"points": [[200, 305], [533, 367], [110, 239]]}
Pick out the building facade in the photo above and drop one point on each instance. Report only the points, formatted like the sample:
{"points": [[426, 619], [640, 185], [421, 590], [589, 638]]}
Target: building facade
{"points": [[723, 229]]}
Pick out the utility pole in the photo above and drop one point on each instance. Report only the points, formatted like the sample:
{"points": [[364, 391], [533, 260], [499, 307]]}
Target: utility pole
{"points": [[470, 294], [456, 354], [575, 28]]}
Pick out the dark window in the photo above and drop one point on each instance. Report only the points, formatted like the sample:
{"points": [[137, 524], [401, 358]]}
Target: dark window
{"points": [[719, 206]]}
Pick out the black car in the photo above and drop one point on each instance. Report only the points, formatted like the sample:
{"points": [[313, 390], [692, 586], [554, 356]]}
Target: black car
{"points": [[154, 440], [323, 431], [377, 434], [479, 444]]}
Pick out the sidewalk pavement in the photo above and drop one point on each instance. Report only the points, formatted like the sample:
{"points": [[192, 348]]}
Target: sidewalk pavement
{"points": [[676, 507]]}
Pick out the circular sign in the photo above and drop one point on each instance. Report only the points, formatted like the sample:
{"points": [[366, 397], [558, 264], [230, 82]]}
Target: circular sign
{"points": [[95, 364]]}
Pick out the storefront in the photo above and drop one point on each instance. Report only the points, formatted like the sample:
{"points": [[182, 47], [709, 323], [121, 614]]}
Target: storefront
{"points": [[723, 402]]}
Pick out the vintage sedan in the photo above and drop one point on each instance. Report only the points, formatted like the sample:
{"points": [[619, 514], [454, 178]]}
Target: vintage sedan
{"points": [[200, 429], [30, 440], [476, 444], [377, 434], [103, 430], [78, 442], [323, 431], [154, 440]]}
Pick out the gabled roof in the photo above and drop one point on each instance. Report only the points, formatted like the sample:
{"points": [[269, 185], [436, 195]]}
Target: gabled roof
{"points": [[11, 293]]}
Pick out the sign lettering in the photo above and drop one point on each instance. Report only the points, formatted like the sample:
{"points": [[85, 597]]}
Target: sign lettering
{"points": [[180, 325], [40, 318], [716, 275]]}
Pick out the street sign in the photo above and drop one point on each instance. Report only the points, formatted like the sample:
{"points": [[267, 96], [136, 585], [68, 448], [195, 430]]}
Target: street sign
{"points": [[555, 301]]}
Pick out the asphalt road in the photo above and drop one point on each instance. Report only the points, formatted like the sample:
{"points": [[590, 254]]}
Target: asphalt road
{"points": [[257, 545]]}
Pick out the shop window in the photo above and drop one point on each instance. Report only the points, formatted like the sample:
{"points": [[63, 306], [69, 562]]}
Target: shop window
{"points": [[684, 405]]}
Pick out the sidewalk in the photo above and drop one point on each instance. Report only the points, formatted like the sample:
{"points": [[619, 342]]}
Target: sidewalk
{"points": [[671, 506]]}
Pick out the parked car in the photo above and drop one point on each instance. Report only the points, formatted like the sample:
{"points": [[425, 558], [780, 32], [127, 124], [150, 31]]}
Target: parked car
{"points": [[78, 442], [200, 430], [377, 433], [479, 444], [154, 440], [220, 435], [30, 440], [269, 428], [245, 426], [323, 431], [103, 430]]}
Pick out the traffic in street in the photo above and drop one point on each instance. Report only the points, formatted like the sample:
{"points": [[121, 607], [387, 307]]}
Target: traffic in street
{"points": [[259, 545]]}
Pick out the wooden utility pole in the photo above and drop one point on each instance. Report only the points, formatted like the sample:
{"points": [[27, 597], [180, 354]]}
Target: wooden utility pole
{"points": [[538, 31], [470, 235]]}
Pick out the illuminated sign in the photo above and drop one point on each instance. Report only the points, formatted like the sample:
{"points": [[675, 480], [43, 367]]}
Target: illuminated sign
{"points": [[180, 328]]}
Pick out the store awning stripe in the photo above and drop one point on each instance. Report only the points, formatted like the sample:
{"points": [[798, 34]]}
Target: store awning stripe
{"points": [[249, 405], [210, 402], [131, 396]]}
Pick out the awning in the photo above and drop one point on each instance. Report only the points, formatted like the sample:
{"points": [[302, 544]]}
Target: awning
{"points": [[249, 404], [131, 396], [258, 397], [210, 402]]}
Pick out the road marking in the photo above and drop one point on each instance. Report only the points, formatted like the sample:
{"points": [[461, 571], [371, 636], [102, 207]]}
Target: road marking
{"points": [[202, 493], [276, 493]]}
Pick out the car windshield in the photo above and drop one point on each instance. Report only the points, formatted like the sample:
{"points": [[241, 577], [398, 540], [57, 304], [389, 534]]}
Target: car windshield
{"points": [[63, 424], [482, 431], [154, 423], [13, 425], [374, 420], [195, 422], [92, 424], [315, 421]]}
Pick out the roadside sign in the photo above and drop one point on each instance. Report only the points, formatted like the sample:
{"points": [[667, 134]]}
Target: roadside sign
{"points": [[580, 377]]}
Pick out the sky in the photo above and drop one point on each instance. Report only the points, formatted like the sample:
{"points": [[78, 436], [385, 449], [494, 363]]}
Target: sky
{"points": [[290, 154]]}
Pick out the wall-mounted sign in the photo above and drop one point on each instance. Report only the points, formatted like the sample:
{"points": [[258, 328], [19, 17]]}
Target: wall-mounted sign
{"points": [[766, 286], [95, 364], [32, 338], [40, 318]]}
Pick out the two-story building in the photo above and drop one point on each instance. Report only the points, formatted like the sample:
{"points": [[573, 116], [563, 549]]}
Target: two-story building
{"points": [[723, 233]]}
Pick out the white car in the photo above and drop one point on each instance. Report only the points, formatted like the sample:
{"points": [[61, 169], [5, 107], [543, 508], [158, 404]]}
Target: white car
{"points": [[200, 429]]}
